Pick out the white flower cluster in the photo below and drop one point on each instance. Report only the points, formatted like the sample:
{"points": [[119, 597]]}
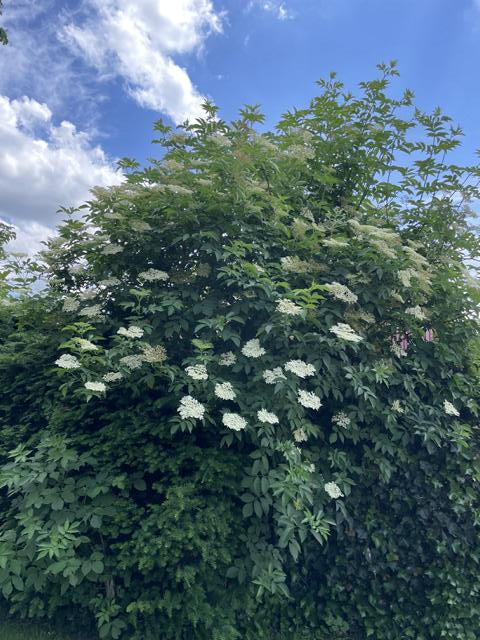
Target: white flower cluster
{"points": [[405, 276], [341, 292], [156, 353], [67, 361], [333, 490], [309, 399], [266, 416], [153, 275], [111, 249], [225, 391], [220, 139], [334, 243], [252, 349], [300, 435], [288, 307], [132, 362], [450, 409], [96, 386], [93, 311], [140, 226], [191, 408], [345, 332], [88, 294], [234, 421], [178, 189], [132, 332], [341, 419], [70, 304], [272, 376], [109, 282], [300, 368], [86, 345], [227, 359], [293, 264], [416, 312], [112, 376], [197, 371]]}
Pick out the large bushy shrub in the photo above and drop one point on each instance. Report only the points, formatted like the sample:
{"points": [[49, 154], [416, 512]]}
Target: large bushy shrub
{"points": [[246, 405]]}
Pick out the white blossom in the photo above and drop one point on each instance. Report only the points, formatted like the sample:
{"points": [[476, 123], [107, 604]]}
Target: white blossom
{"points": [[93, 311], [300, 435], [266, 416], [70, 304], [227, 359], [405, 277], [309, 399], [153, 275], [288, 307], [112, 376], [272, 376], [341, 419], [300, 368], [341, 292], [191, 408], [333, 242], [111, 249], [67, 361], [333, 490], [416, 312], [86, 345], [109, 282], [345, 332], [252, 349], [132, 332], [234, 421], [88, 294], [197, 371], [134, 361], [450, 409], [152, 354], [96, 386], [140, 226], [225, 391]]}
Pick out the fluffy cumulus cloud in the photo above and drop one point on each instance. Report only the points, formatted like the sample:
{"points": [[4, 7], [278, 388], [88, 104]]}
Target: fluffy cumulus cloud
{"points": [[43, 166], [138, 41]]}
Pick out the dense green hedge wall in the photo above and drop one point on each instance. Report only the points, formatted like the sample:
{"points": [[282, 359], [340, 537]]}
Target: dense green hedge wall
{"points": [[246, 404]]}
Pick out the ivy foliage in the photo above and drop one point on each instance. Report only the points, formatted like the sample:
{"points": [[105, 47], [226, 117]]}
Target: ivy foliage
{"points": [[245, 406]]}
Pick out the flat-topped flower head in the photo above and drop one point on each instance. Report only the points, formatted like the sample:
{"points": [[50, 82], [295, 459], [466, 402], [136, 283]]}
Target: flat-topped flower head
{"points": [[111, 249], [100, 387], [191, 408], [341, 292], [449, 409], [132, 332], [227, 359], [417, 312], [109, 282], [86, 345], [333, 490], [300, 368], [266, 416], [272, 376], [234, 421], [224, 390], [70, 305], [341, 419], [132, 362], [153, 275], [288, 307], [252, 349], [197, 371], [67, 361], [345, 332], [309, 400], [112, 376], [154, 354], [93, 311]]}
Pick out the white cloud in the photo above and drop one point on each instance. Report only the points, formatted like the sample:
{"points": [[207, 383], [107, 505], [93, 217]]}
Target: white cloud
{"points": [[29, 237], [276, 7], [136, 41], [43, 166]]}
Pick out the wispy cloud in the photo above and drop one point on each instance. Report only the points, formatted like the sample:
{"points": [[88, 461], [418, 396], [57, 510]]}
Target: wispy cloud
{"points": [[277, 8], [138, 42]]}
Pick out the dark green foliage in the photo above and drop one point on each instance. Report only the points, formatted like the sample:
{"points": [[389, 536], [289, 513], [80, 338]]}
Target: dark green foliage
{"points": [[339, 243]]}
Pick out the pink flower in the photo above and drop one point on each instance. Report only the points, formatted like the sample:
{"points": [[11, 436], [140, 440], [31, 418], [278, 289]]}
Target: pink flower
{"points": [[428, 337]]}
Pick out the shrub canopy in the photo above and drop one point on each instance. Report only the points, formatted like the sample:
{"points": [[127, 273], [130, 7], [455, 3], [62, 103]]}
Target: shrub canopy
{"points": [[246, 404]]}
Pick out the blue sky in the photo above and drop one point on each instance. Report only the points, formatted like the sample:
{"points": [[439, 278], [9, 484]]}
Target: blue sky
{"points": [[83, 80]]}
